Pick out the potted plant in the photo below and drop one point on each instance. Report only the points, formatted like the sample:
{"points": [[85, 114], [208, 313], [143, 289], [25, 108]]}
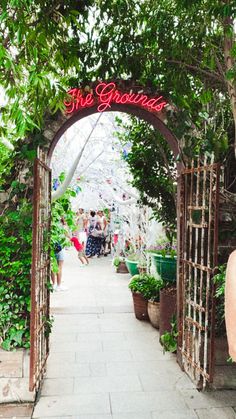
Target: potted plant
{"points": [[143, 287], [154, 303], [119, 263], [142, 265], [164, 257], [132, 261], [169, 339]]}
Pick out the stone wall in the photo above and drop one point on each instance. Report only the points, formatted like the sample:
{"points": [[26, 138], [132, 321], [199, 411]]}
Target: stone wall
{"points": [[14, 377]]}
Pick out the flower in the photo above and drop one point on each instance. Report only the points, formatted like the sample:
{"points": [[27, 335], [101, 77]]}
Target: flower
{"points": [[165, 249]]}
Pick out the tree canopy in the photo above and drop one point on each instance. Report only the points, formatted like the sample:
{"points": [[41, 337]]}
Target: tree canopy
{"points": [[38, 54], [185, 48]]}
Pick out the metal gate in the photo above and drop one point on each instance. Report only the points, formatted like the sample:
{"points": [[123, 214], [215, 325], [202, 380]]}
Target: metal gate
{"points": [[40, 275], [199, 201]]}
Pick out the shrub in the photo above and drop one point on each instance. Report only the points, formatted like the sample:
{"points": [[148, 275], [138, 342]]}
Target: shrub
{"points": [[146, 285]]}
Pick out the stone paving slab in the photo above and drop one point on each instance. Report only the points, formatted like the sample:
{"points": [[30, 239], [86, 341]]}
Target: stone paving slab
{"points": [[16, 389], [70, 347], [66, 370], [132, 416], [22, 411], [146, 401], [174, 414], [107, 384], [63, 337], [156, 382], [197, 400], [98, 356], [11, 364], [140, 367], [101, 337], [72, 405], [216, 413], [58, 386], [104, 416]]}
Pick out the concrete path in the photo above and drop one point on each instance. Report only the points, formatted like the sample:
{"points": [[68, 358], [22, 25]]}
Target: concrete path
{"points": [[105, 364]]}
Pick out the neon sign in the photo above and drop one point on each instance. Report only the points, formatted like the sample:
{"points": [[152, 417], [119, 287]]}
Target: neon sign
{"points": [[106, 94]]}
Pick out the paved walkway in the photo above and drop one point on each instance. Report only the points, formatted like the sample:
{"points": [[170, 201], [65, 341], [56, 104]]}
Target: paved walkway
{"points": [[105, 364]]}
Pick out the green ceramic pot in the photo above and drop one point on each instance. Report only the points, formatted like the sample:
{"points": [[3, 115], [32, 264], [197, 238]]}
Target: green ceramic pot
{"points": [[168, 267], [156, 262], [165, 267], [132, 266]]}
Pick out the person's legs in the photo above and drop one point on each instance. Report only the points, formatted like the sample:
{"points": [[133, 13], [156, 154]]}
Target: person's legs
{"points": [[59, 273], [86, 259], [53, 276], [88, 250], [60, 261], [81, 260]]}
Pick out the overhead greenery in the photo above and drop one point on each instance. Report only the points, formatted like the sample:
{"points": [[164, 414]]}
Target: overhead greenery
{"points": [[38, 54], [182, 47]]}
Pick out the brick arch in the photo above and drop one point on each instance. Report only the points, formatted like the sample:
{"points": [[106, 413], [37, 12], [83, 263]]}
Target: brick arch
{"points": [[55, 128]]}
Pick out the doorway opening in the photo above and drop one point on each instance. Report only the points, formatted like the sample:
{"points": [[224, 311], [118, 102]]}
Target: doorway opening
{"points": [[56, 127]]}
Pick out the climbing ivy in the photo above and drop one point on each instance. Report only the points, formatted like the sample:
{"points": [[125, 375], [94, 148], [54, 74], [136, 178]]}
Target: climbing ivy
{"points": [[15, 256], [16, 242], [61, 208]]}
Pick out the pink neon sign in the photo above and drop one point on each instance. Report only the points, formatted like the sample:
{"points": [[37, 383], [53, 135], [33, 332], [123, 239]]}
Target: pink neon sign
{"points": [[106, 94]]}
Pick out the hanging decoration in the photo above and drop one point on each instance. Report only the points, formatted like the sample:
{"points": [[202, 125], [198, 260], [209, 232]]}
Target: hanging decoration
{"points": [[56, 184]]}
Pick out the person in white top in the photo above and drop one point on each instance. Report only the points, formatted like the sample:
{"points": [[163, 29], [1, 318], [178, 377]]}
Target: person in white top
{"points": [[103, 222], [102, 219], [81, 223], [230, 304]]}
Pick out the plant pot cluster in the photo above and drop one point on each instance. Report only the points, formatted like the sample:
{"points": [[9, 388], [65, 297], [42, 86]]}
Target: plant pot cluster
{"points": [[146, 295], [155, 299]]}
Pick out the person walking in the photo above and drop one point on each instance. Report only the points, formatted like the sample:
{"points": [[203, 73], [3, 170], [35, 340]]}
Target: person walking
{"points": [[81, 224], [59, 252], [103, 222], [80, 249], [230, 304], [95, 235]]}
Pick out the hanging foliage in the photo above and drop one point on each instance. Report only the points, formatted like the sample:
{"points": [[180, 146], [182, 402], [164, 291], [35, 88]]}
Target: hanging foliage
{"points": [[153, 168]]}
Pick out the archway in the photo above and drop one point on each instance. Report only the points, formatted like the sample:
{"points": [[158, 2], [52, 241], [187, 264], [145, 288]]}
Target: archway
{"points": [[148, 106]]}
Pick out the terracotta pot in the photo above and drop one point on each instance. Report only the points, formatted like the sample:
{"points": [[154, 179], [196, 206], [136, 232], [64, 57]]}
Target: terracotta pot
{"points": [[154, 313], [140, 306], [168, 304], [122, 268]]}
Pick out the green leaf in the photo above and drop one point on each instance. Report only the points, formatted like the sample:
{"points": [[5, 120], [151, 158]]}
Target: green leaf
{"points": [[6, 345]]}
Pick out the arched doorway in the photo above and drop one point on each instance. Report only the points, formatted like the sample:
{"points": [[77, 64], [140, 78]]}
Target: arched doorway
{"points": [[150, 107]]}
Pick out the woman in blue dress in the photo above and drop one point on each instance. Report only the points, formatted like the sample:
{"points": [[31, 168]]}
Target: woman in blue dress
{"points": [[94, 241]]}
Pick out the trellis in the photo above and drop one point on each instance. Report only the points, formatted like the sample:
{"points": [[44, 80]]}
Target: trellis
{"points": [[198, 259]]}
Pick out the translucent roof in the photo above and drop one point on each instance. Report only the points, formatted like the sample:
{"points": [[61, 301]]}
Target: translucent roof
{"points": [[102, 173]]}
